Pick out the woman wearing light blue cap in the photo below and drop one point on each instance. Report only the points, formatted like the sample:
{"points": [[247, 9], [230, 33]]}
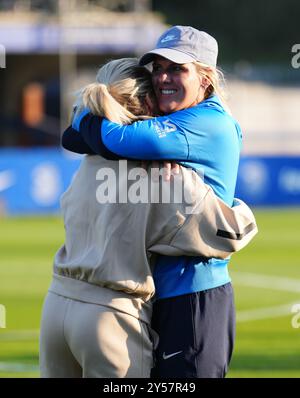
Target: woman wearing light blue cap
{"points": [[194, 312]]}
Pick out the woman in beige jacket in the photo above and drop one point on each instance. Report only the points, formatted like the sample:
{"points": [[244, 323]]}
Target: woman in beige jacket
{"points": [[97, 312]]}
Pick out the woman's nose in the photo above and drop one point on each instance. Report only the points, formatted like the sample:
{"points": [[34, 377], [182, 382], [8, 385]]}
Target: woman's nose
{"points": [[164, 77]]}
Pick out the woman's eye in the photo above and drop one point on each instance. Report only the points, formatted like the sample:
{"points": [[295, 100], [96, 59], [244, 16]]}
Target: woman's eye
{"points": [[176, 68], [155, 69]]}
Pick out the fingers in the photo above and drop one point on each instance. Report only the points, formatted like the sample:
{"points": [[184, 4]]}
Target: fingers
{"points": [[170, 168], [167, 171], [175, 168]]}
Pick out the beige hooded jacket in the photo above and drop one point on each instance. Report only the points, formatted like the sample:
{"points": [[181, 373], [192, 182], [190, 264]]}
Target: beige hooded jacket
{"points": [[110, 247]]}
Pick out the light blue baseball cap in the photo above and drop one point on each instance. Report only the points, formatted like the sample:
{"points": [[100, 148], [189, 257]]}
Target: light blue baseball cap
{"points": [[184, 44]]}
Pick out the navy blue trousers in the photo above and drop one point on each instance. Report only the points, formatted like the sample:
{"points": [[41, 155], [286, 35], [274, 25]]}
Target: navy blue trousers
{"points": [[196, 334]]}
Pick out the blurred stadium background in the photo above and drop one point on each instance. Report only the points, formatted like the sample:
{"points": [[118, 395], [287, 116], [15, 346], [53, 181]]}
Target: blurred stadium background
{"points": [[48, 50]]}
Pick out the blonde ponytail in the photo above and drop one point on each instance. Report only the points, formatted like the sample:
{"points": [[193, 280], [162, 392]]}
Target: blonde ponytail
{"points": [[98, 99], [119, 91]]}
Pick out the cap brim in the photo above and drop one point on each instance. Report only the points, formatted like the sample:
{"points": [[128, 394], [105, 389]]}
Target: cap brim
{"points": [[168, 53]]}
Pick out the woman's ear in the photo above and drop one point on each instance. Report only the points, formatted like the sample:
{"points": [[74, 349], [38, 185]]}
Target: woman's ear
{"points": [[205, 82]]}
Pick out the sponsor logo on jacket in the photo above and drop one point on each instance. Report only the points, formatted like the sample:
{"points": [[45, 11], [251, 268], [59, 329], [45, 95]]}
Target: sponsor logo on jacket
{"points": [[164, 127]]}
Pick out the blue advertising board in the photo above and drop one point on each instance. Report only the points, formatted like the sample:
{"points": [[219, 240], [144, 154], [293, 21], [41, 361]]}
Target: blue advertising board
{"points": [[269, 181], [32, 180]]}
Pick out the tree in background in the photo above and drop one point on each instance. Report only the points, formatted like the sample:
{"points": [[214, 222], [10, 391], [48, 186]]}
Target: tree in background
{"points": [[260, 31]]}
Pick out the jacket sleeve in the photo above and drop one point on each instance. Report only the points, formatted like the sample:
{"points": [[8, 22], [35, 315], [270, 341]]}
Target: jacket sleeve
{"points": [[90, 133], [156, 138], [210, 228], [74, 142]]}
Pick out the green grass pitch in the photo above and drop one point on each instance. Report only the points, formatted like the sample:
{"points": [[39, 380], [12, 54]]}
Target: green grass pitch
{"points": [[266, 278]]}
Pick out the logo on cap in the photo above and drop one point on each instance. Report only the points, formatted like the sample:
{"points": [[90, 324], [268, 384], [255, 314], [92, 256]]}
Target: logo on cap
{"points": [[168, 38]]}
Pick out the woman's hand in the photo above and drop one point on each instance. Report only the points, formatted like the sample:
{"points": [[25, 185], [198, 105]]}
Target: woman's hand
{"points": [[169, 168]]}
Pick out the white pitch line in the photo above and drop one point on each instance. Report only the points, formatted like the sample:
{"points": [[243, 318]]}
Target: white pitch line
{"points": [[239, 278], [266, 281], [265, 313], [17, 367], [242, 316]]}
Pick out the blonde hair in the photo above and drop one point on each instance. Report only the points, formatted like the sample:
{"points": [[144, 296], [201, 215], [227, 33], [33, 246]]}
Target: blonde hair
{"points": [[119, 92], [217, 82]]}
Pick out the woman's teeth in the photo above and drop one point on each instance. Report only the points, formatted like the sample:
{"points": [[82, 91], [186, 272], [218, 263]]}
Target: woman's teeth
{"points": [[167, 92]]}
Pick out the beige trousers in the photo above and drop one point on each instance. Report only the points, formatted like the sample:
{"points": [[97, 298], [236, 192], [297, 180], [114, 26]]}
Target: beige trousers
{"points": [[80, 339]]}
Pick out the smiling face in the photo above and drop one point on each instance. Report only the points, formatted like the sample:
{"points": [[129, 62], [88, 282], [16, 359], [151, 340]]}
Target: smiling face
{"points": [[176, 86]]}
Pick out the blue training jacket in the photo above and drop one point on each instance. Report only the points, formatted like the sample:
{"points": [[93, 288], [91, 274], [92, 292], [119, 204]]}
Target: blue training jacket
{"points": [[205, 138]]}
